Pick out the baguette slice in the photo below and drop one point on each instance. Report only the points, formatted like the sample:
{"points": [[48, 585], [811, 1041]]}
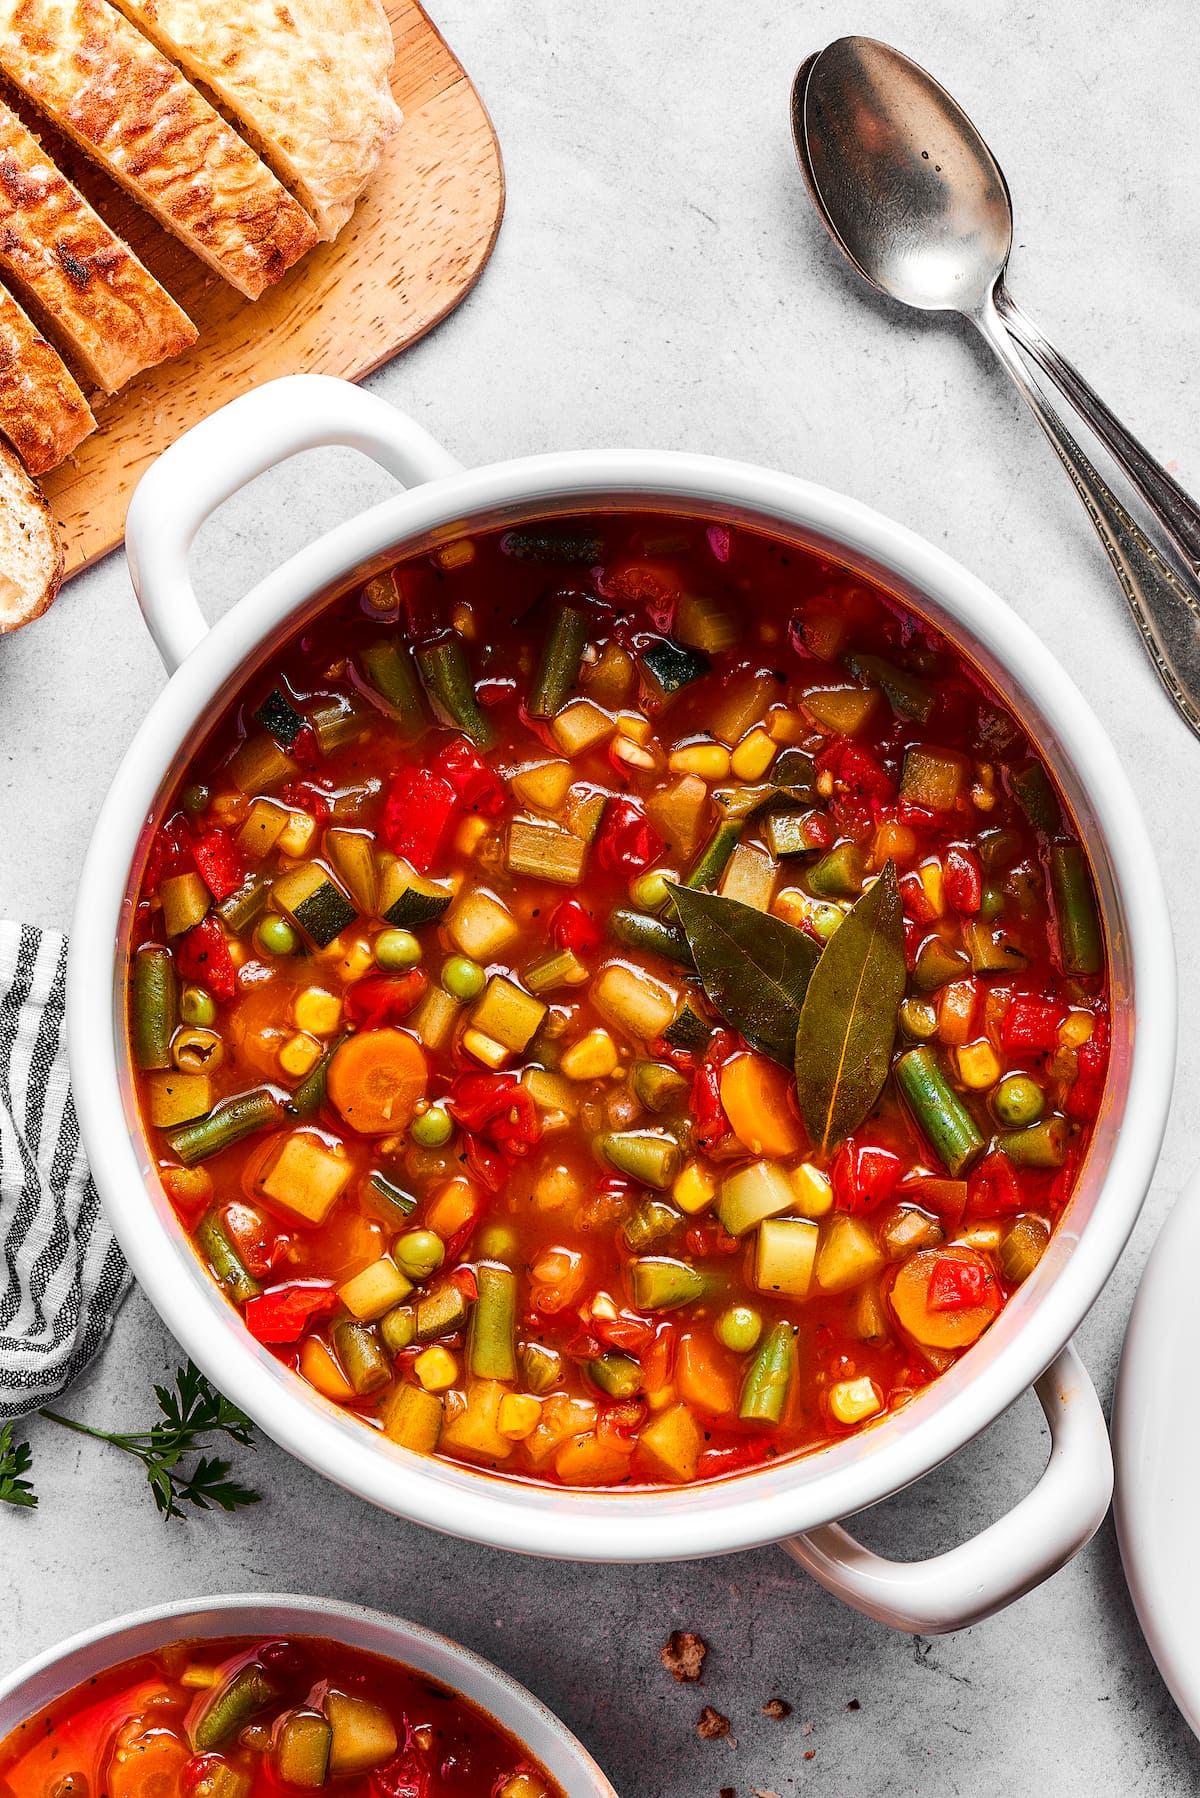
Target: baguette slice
{"points": [[31, 557], [108, 312], [308, 82], [42, 412], [117, 97]]}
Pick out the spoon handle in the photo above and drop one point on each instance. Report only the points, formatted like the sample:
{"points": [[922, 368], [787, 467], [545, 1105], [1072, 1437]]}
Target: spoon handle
{"points": [[1165, 605], [1175, 510]]}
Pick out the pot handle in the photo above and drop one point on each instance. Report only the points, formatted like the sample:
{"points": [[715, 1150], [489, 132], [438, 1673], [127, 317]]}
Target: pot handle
{"points": [[1037, 1537], [210, 462]]}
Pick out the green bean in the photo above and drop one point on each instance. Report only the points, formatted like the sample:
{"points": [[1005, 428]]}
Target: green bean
{"points": [[154, 1007], [1037, 799], [769, 1376], [939, 1111], [491, 1342], [447, 678], [229, 1711], [652, 1220], [392, 1202], [388, 667], [710, 865], [641, 930], [361, 1354], [1080, 944], [309, 1096], [646, 1155], [657, 1084], [1041, 1145], [660, 1284], [440, 1312], [562, 651], [227, 1265], [552, 546], [617, 1375], [226, 1124]]}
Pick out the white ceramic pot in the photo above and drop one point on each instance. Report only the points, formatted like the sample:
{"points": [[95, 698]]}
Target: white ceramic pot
{"points": [[794, 1501], [47, 1677]]}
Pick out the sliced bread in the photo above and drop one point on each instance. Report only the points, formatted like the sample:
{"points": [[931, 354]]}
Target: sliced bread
{"points": [[115, 95], [309, 82], [42, 412], [31, 557]]}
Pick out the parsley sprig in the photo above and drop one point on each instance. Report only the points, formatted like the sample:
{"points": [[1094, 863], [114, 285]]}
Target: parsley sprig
{"points": [[170, 1451]]}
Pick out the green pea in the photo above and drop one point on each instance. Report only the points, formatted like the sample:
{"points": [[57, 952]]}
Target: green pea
{"points": [[1018, 1101], [739, 1328], [463, 978], [419, 1253], [396, 949], [275, 936], [649, 891], [432, 1128], [826, 919], [497, 1243], [197, 1007], [195, 798]]}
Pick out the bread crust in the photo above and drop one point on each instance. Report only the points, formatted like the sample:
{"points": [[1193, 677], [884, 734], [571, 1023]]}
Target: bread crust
{"points": [[108, 313], [308, 80], [31, 552], [42, 412], [115, 95]]}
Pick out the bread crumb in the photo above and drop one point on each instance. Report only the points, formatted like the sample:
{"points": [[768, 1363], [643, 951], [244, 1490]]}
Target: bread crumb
{"points": [[712, 1724], [683, 1656], [776, 1709]]}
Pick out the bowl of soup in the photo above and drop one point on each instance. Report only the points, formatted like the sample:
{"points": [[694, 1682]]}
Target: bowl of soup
{"points": [[620, 1039], [244, 1696]]}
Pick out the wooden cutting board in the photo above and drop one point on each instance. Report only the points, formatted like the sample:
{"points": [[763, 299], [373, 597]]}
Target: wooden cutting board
{"points": [[416, 245]]}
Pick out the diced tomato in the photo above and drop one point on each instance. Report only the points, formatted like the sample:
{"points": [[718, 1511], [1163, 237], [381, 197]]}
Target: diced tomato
{"points": [[478, 789], [573, 927], [308, 796], [203, 956], [632, 1335], [915, 899], [957, 1285], [385, 999], [716, 1461], [283, 1313], [863, 1174], [709, 1121], [621, 1419], [220, 863], [659, 1360], [861, 787], [626, 842], [1087, 1089], [419, 815], [1031, 1023], [464, 1279], [404, 1777], [962, 878], [305, 747], [501, 1120], [260, 1245], [170, 853], [994, 1187]]}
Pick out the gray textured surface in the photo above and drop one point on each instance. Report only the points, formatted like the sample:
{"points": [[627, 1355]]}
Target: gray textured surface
{"points": [[659, 280]]}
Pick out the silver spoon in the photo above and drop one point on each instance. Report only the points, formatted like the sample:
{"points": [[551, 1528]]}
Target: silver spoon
{"points": [[916, 201]]}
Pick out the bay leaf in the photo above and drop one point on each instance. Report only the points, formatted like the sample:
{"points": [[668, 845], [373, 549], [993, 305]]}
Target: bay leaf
{"points": [[754, 967], [848, 1020]]}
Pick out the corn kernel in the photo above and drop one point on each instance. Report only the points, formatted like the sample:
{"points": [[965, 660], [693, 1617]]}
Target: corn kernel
{"points": [[987, 1237], [355, 961], [453, 1208], [1076, 1029], [492, 1054], [300, 1055], [603, 1306], [593, 1057], [197, 1677], [978, 1066], [814, 1193], [518, 1415], [455, 555], [753, 755], [788, 727], [709, 760], [470, 834], [633, 755], [825, 784], [694, 1188], [933, 885], [635, 725], [296, 834], [853, 1400], [317, 1012], [982, 798], [436, 1369]]}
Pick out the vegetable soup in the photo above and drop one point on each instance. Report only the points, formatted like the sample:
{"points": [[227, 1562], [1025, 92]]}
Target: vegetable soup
{"points": [[245, 1718], [618, 1002]]}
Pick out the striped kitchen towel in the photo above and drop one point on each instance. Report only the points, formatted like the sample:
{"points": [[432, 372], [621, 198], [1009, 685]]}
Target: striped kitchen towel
{"points": [[62, 1275]]}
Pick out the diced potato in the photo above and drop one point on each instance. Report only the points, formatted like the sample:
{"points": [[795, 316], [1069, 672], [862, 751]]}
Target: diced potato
{"points": [[364, 1735], [545, 850], [177, 1098], [679, 814], [785, 1252], [507, 1014], [413, 1418], [556, 1187], [479, 926], [585, 808], [580, 726], [847, 1254], [741, 706], [518, 1415], [263, 827], [813, 1190], [933, 777], [610, 677], [634, 1001], [475, 1430], [753, 1193], [702, 1377], [374, 1290], [673, 1442], [297, 833], [543, 785], [593, 1057], [306, 1176], [843, 707], [750, 876], [694, 1188], [978, 1065], [435, 1018], [185, 901], [551, 1092]]}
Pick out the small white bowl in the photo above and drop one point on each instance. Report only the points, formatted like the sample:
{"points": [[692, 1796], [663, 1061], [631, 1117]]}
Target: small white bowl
{"points": [[40, 1681]]}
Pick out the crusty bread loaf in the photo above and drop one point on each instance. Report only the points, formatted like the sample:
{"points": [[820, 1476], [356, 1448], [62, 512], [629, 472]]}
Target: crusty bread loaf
{"points": [[115, 95], [308, 81], [42, 412], [31, 557], [107, 312]]}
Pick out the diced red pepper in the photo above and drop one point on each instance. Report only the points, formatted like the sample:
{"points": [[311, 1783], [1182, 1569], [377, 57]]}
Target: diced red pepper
{"points": [[915, 899], [283, 1313], [632, 1335], [1087, 1089], [501, 1120], [573, 927], [203, 956], [962, 879], [994, 1187], [957, 1285], [659, 1360], [709, 1122], [419, 815], [385, 999], [1031, 1023], [305, 747], [477, 787], [220, 863], [626, 842], [307, 796], [863, 1174]]}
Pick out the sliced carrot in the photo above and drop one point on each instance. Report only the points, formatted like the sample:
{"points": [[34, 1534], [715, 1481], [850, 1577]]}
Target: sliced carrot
{"points": [[376, 1079], [148, 1767], [321, 1370], [754, 1092], [941, 1329], [701, 1380]]}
